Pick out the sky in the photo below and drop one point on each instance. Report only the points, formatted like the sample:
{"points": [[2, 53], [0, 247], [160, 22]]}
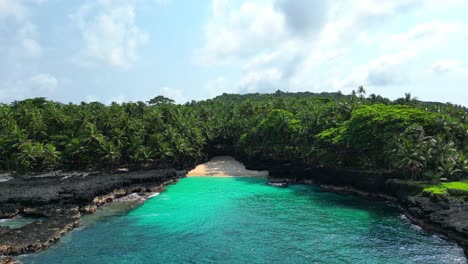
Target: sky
{"points": [[130, 50]]}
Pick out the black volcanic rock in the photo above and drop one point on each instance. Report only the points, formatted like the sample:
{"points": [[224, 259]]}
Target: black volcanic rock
{"points": [[57, 202]]}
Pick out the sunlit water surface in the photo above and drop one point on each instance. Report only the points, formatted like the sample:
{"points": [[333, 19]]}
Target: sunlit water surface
{"points": [[243, 220]]}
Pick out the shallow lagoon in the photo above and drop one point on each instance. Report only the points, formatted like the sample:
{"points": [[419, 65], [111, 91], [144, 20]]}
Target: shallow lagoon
{"points": [[243, 220]]}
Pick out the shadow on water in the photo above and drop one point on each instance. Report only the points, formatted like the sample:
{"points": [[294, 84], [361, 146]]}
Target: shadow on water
{"points": [[380, 222], [330, 199]]}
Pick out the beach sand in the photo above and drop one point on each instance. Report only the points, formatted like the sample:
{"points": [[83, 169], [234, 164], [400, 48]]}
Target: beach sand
{"points": [[224, 166]]}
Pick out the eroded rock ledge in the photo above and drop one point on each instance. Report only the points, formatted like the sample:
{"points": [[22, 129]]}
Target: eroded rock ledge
{"points": [[59, 203]]}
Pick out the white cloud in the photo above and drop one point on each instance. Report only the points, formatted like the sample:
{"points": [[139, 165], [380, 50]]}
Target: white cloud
{"points": [[31, 47], [29, 44], [45, 82], [444, 66], [13, 8], [386, 70], [13, 90], [216, 87], [175, 94], [237, 32], [41, 84], [109, 33], [303, 16], [19, 11], [403, 49], [283, 44], [449, 66], [424, 36], [279, 44], [264, 80]]}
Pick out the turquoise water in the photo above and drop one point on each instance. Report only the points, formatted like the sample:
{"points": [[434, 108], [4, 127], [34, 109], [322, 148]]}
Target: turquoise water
{"points": [[243, 220]]}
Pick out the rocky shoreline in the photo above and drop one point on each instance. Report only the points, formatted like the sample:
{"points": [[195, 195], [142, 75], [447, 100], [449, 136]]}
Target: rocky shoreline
{"points": [[439, 214], [59, 202], [447, 217]]}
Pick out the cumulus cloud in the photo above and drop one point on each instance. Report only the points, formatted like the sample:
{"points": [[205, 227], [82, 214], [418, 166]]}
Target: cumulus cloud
{"points": [[271, 41], [303, 16], [44, 82], [13, 90], [175, 94], [264, 80], [237, 32], [217, 86], [27, 39], [449, 66], [110, 35], [424, 36], [16, 9], [291, 43], [384, 77], [19, 11], [383, 71], [405, 48]]}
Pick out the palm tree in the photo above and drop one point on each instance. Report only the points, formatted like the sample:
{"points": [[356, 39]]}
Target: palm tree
{"points": [[361, 91], [73, 149], [51, 157], [407, 157], [36, 125], [27, 156], [444, 151], [111, 154], [449, 170], [142, 155]]}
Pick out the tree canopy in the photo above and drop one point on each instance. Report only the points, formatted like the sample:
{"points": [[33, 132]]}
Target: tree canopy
{"points": [[328, 129]]}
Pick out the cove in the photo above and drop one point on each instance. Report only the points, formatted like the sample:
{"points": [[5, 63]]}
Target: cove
{"points": [[243, 220]]}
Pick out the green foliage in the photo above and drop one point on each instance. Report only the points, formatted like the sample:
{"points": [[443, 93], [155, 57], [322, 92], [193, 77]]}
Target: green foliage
{"points": [[426, 140], [160, 100], [460, 188], [436, 156], [372, 127], [277, 135]]}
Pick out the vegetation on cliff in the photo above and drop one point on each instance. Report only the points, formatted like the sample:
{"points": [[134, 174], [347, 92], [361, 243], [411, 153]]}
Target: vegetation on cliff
{"points": [[427, 140], [456, 188]]}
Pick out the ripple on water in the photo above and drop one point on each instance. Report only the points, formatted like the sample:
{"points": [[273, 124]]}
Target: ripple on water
{"points": [[232, 220]]}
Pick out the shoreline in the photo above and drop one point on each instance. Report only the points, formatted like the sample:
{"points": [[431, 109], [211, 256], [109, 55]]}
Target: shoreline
{"points": [[447, 216], [65, 205], [224, 166], [62, 204], [422, 223]]}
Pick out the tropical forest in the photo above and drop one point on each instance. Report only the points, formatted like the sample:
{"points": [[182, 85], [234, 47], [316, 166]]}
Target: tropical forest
{"points": [[426, 140]]}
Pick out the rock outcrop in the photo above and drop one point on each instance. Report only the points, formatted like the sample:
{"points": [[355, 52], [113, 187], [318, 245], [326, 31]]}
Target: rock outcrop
{"points": [[58, 202]]}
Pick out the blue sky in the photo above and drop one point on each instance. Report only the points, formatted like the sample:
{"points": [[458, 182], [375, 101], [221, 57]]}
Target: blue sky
{"points": [[129, 50]]}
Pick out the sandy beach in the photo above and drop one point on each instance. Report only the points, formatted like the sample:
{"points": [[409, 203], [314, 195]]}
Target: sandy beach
{"points": [[224, 166]]}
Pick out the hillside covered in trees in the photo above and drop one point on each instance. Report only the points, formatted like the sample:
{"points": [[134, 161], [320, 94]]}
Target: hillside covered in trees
{"points": [[426, 140]]}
